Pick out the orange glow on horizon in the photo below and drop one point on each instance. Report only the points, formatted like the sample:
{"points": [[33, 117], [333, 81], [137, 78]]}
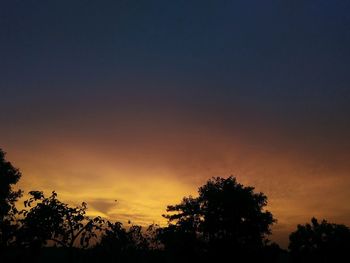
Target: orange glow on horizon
{"points": [[146, 177]]}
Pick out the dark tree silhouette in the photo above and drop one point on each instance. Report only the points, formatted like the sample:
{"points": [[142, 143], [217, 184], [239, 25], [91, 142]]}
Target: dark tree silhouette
{"points": [[120, 244], [51, 220], [320, 242], [129, 244], [9, 176], [120, 239], [226, 219]]}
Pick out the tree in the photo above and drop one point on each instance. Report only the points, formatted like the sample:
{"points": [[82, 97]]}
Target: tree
{"points": [[120, 240], [320, 242], [51, 220], [9, 176], [225, 218], [130, 244]]}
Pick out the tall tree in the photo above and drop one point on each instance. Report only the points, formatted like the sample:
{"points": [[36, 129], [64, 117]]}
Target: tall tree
{"points": [[9, 176], [225, 217]]}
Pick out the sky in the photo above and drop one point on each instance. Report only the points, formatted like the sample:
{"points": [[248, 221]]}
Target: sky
{"points": [[143, 101]]}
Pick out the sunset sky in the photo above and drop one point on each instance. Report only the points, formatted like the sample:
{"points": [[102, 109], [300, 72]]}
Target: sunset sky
{"points": [[143, 101]]}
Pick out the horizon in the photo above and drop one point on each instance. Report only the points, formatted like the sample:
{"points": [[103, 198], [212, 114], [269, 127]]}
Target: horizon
{"points": [[143, 102]]}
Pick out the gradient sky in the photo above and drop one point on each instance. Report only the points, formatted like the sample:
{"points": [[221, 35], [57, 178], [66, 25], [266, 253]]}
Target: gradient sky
{"points": [[143, 101]]}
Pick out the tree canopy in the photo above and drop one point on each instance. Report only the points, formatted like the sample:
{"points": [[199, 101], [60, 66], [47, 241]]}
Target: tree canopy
{"points": [[9, 176], [320, 242], [51, 220], [226, 216]]}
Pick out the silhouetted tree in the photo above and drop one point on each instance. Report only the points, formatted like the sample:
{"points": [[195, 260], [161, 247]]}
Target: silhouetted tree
{"points": [[9, 176], [320, 242], [51, 220], [120, 239], [226, 219], [125, 244]]}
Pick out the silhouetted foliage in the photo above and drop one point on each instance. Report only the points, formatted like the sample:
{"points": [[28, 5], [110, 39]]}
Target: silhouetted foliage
{"points": [[120, 239], [226, 219], [121, 244], [9, 176], [320, 242], [50, 220]]}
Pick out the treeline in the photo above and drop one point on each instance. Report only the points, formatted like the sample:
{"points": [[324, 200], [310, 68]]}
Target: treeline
{"points": [[226, 222]]}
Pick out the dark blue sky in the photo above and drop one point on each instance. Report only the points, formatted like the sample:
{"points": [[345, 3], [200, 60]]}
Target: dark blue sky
{"points": [[293, 54], [286, 61], [268, 74]]}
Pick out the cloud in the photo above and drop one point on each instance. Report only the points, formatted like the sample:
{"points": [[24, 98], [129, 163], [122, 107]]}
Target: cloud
{"points": [[102, 205]]}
